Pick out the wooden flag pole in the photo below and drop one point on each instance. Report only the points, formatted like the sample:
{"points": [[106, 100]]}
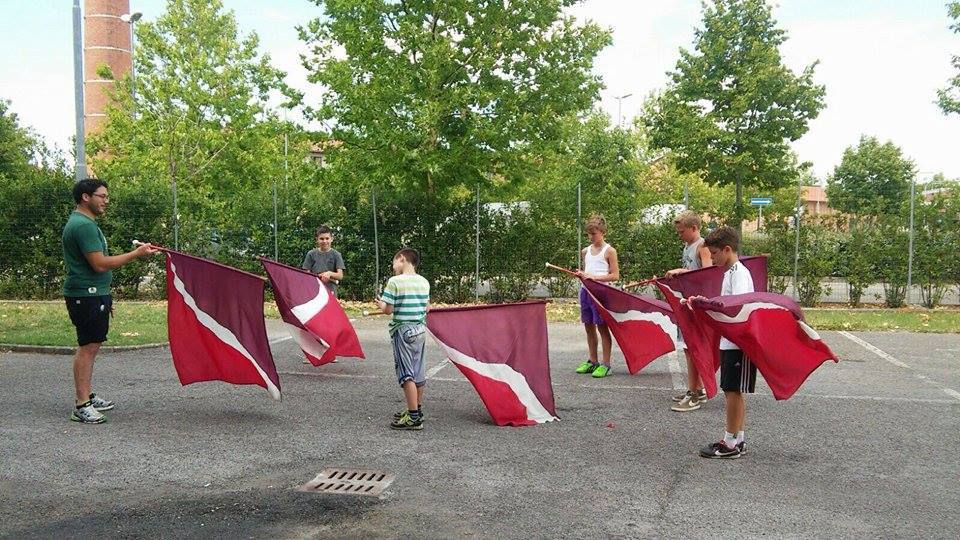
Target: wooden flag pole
{"points": [[559, 269], [636, 284], [168, 250]]}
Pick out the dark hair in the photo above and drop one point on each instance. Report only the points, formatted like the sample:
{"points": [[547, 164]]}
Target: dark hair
{"points": [[411, 255], [86, 186], [323, 229], [722, 237]]}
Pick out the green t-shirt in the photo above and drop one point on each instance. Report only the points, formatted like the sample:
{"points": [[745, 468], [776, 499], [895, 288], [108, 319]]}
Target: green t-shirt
{"points": [[81, 235], [409, 294]]}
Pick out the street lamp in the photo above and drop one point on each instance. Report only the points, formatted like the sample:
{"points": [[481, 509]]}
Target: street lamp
{"points": [[620, 107], [131, 19], [80, 166]]}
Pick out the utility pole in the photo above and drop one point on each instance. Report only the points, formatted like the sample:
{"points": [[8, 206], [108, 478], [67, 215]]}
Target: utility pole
{"points": [[80, 167]]}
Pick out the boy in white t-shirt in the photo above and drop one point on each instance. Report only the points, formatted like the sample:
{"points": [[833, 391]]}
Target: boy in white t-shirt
{"points": [[737, 374]]}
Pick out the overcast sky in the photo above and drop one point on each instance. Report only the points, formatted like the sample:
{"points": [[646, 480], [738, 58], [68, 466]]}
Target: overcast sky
{"points": [[881, 61]]}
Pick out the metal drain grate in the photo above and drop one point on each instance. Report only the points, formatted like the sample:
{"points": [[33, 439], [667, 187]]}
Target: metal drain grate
{"points": [[349, 482]]}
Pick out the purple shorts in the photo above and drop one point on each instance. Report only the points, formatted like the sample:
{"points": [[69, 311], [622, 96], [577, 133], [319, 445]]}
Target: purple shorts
{"points": [[589, 314]]}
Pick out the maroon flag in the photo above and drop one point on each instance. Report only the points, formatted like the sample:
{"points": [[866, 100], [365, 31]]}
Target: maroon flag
{"points": [[770, 330], [502, 350], [215, 324], [707, 281], [312, 315], [702, 342], [643, 326]]}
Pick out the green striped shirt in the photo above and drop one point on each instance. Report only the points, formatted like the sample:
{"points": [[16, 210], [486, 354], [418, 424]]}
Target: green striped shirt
{"points": [[409, 294]]}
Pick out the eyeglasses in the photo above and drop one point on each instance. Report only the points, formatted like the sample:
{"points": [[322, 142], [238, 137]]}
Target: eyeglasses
{"points": [[101, 195]]}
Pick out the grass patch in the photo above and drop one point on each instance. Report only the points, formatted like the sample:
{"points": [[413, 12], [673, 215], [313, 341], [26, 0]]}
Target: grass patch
{"points": [[938, 321], [138, 323], [47, 323]]}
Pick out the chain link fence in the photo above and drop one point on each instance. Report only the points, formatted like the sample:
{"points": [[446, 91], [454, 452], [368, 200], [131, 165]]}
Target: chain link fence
{"points": [[482, 248]]}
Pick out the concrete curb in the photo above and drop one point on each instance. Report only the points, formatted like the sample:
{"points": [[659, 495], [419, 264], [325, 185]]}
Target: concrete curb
{"points": [[49, 349]]}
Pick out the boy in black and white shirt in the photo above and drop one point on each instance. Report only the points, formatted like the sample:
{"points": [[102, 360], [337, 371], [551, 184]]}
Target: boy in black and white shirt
{"points": [[738, 376]]}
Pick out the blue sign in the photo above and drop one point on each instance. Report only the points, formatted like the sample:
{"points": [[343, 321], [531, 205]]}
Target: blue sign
{"points": [[761, 201]]}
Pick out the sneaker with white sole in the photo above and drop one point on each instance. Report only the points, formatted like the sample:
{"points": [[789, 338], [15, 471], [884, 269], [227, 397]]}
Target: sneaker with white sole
{"points": [[701, 394], [690, 403], [86, 414], [719, 450], [101, 404]]}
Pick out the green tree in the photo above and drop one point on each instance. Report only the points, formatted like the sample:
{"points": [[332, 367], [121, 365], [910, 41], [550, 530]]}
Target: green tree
{"points": [[438, 97], [197, 120], [949, 97], [36, 182], [871, 179], [935, 246], [732, 106], [16, 143]]}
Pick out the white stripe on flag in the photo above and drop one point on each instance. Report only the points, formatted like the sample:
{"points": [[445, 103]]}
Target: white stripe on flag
{"points": [[657, 318], [307, 342], [505, 374], [307, 310], [223, 333], [747, 309]]}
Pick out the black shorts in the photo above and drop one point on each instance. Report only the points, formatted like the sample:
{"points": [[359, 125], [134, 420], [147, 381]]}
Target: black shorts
{"points": [[737, 372], [91, 316]]}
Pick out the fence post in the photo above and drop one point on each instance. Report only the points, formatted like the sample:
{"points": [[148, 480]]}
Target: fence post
{"points": [[176, 216], [476, 289], [796, 227], [579, 226], [276, 244], [913, 184], [376, 246]]}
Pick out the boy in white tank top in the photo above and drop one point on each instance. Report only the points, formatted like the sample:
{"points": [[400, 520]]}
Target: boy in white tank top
{"points": [[600, 264], [695, 256]]}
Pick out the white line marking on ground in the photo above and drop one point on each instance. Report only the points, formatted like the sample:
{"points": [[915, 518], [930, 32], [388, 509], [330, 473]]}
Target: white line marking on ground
{"points": [[619, 387], [435, 369], [675, 373], [279, 339], [882, 354], [334, 375], [952, 392], [461, 380], [873, 349]]}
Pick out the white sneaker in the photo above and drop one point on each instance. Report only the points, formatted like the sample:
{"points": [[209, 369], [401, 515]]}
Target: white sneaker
{"points": [[101, 404], [87, 415]]}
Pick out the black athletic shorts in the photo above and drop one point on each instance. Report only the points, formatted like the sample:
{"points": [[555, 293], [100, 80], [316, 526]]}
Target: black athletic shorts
{"points": [[91, 316], [737, 372]]}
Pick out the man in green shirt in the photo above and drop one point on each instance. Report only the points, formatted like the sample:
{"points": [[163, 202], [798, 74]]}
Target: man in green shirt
{"points": [[86, 290]]}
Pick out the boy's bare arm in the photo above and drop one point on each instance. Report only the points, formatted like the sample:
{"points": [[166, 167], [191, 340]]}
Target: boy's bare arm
{"points": [[704, 254], [328, 275], [386, 308]]}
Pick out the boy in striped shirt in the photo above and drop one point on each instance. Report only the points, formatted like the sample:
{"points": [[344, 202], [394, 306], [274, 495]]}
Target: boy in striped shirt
{"points": [[407, 297]]}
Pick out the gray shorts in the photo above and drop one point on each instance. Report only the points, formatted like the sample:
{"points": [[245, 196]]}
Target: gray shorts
{"points": [[409, 342]]}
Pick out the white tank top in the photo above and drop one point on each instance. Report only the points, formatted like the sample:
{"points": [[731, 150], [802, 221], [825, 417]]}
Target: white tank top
{"points": [[596, 264]]}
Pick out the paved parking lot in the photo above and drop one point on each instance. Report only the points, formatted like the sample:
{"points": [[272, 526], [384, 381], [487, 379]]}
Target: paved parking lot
{"points": [[868, 447]]}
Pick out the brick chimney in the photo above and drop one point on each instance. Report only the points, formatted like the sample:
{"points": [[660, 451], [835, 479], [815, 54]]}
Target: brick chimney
{"points": [[106, 41]]}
